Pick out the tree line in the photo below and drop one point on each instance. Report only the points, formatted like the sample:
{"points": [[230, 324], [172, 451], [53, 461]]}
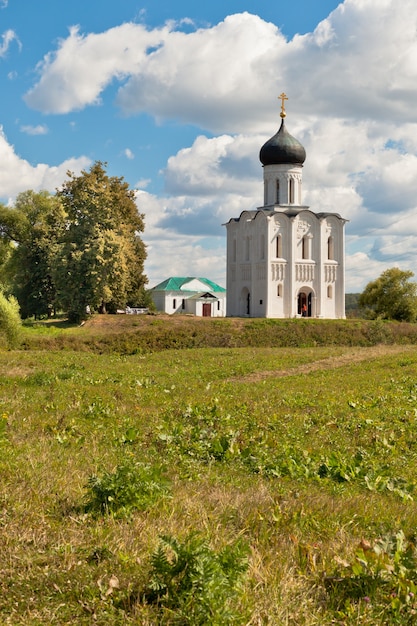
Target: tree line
{"points": [[74, 251], [80, 250]]}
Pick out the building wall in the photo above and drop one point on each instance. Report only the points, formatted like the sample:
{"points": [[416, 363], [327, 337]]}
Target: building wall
{"points": [[273, 255], [177, 302]]}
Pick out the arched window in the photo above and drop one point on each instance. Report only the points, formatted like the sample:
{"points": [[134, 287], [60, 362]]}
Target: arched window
{"points": [[279, 291], [330, 248], [277, 192], [262, 245], [304, 248], [291, 191], [278, 249], [247, 249]]}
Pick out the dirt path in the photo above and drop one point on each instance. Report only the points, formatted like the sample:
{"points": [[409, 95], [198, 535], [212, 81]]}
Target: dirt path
{"points": [[355, 355]]}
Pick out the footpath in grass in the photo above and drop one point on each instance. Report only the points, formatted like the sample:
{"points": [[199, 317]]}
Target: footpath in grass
{"points": [[209, 486]]}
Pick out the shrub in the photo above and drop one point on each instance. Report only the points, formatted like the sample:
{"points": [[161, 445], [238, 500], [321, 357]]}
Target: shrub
{"points": [[10, 322], [195, 584], [129, 487]]}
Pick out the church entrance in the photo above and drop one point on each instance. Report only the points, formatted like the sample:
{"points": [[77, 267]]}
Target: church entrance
{"points": [[245, 302], [304, 304], [206, 309]]}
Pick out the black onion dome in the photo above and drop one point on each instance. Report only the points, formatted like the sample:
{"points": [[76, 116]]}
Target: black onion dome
{"points": [[282, 148]]}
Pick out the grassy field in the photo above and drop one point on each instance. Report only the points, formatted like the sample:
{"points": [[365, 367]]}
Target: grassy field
{"points": [[208, 486]]}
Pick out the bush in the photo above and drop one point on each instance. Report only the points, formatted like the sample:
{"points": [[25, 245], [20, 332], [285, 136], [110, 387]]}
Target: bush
{"points": [[196, 585], [10, 322], [131, 486]]}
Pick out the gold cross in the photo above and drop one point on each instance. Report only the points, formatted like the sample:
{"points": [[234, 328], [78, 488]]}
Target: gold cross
{"points": [[282, 97]]}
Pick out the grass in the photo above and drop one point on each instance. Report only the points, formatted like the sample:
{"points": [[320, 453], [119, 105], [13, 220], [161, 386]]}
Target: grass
{"points": [[121, 472]]}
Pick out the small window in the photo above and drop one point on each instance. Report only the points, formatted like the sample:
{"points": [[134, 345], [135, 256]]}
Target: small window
{"points": [[183, 304], [218, 305], [174, 303], [262, 244], [247, 253], [261, 301], [234, 251], [279, 247], [304, 248], [291, 191], [329, 292], [279, 291], [277, 193], [330, 248]]}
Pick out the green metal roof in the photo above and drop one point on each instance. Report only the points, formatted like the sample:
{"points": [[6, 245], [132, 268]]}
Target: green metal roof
{"points": [[177, 283]]}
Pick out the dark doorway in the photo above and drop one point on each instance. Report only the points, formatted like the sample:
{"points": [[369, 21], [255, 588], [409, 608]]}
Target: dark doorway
{"points": [[304, 304]]}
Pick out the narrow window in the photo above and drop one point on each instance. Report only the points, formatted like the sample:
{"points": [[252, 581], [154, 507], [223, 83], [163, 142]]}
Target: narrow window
{"points": [[291, 191], [247, 255], [183, 304], [261, 301], [330, 248], [277, 192], [329, 291], [304, 248], [234, 250], [174, 303], [279, 291], [262, 255], [279, 247], [218, 305]]}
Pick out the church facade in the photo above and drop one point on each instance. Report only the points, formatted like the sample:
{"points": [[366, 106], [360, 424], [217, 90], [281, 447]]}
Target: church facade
{"points": [[283, 259]]}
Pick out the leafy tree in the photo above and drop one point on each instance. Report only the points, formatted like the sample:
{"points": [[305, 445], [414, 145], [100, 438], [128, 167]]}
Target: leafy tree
{"points": [[10, 321], [34, 226], [100, 261], [391, 296]]}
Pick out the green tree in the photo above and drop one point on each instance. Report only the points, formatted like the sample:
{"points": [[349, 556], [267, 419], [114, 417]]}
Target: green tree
{"points": [[10, 322], [33, 226], [391, 296], [100, 262]]}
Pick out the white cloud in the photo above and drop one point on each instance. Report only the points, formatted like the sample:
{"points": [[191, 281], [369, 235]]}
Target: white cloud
{"points": [[17, 174], [352, 86], [6, 39], [75, 75], [40, 129], [183, 254], [128, 153]]}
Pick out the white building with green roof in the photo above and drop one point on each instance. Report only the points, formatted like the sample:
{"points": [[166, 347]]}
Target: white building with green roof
{"points": [[193, 296]]}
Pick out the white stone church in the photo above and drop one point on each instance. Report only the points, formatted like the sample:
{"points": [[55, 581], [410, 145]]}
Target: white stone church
{"points": [[283, 259]]}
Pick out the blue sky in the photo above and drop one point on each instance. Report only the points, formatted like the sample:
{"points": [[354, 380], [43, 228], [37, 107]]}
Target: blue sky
{"points": [[178, 97]]}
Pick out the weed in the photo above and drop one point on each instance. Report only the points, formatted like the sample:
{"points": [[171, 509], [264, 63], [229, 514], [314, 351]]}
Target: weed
{"points": [[195, 585], [383, 574], [129, 487]]}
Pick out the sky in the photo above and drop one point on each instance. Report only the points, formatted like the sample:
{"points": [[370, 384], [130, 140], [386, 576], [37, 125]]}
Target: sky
{"points": [[178, 97]]}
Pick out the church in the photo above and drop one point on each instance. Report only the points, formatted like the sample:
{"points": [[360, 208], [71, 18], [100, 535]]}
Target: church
{"points": [[283, 259]]}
